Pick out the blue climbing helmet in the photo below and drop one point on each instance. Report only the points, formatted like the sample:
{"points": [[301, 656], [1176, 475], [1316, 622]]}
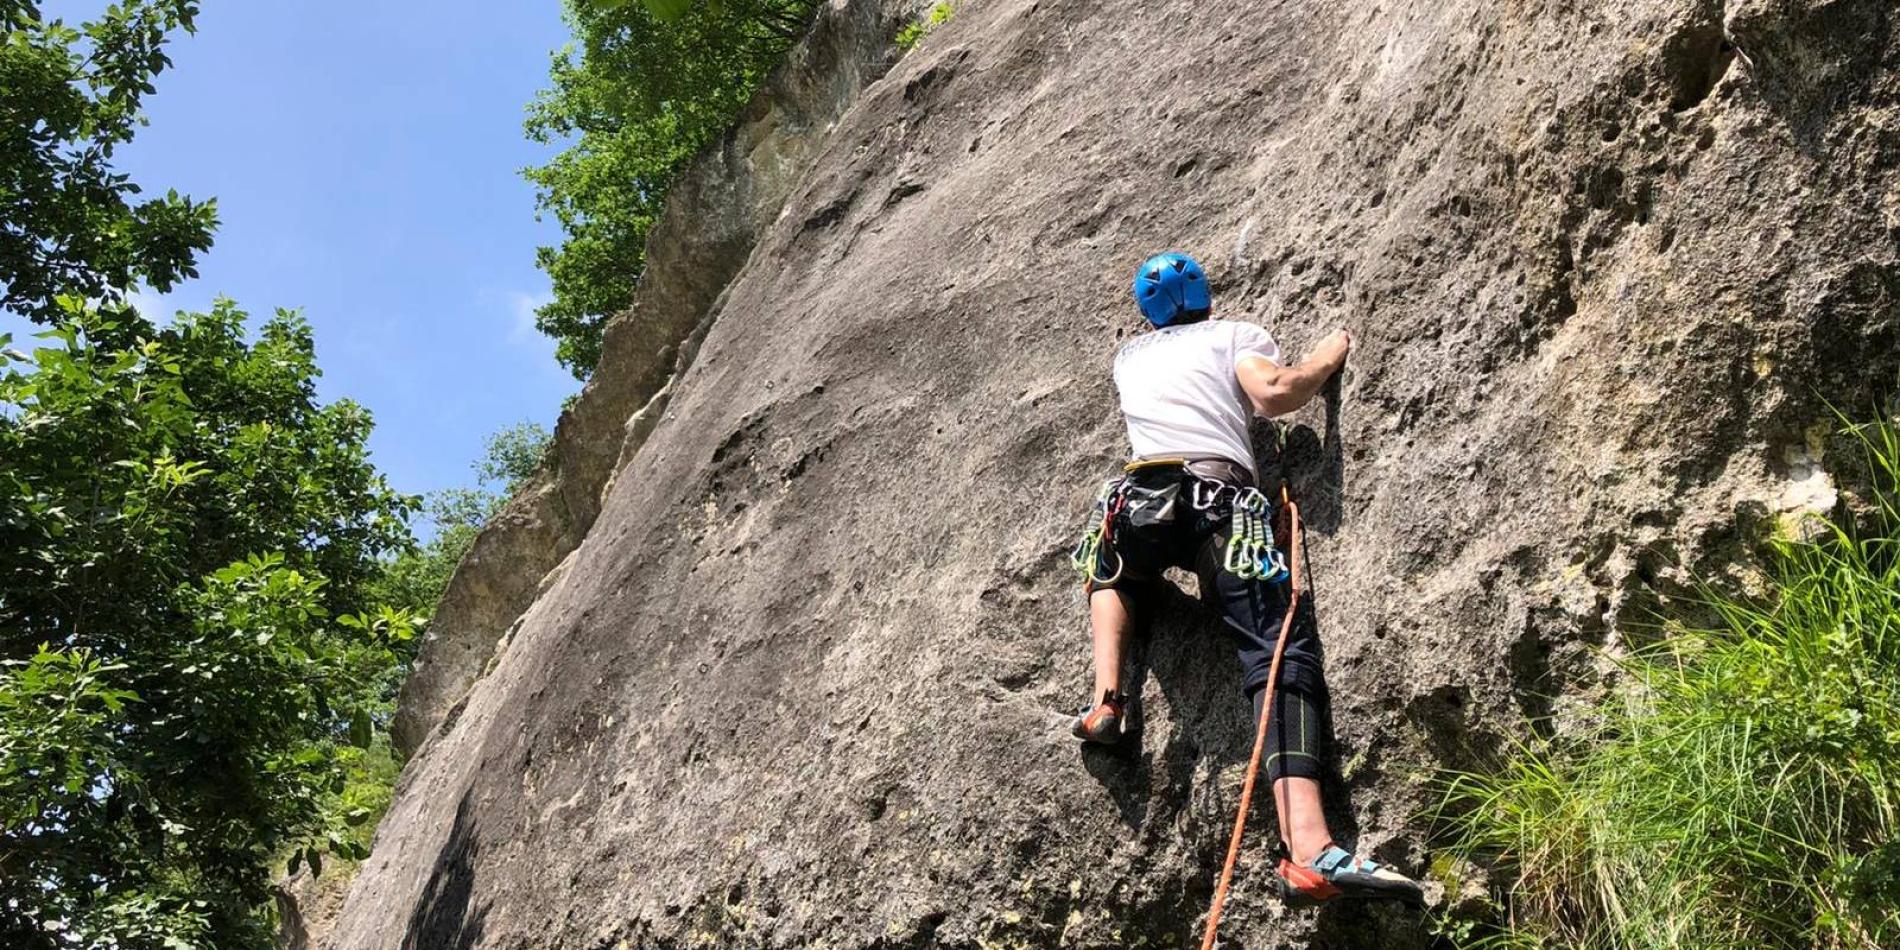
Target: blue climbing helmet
{"points": [[1169, 285]]}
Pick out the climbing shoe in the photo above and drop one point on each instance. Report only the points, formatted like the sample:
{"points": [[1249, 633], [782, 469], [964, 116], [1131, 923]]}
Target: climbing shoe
{"points": [[1103, 724], [1337, 874]]}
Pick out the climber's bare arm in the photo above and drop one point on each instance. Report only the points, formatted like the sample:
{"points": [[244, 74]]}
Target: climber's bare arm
{"points": [[1277, 390]]}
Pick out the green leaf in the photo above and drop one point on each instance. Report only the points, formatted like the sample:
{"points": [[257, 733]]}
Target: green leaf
{"points": [[668, 11], [362, 731]]}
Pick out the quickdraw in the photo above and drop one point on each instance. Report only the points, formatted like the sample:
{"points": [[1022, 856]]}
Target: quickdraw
{"points": [[1251, 554], [1100, 532]]}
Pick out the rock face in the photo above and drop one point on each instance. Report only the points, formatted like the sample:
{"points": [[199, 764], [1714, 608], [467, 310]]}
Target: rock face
{"points": [[713, 216], [805, 680]]}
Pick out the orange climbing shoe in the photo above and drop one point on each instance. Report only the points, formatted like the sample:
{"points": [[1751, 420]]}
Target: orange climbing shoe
{"points": [[1103, 724], [1336, 874]]}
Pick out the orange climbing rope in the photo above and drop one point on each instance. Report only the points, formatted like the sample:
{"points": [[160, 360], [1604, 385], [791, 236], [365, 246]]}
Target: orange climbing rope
{"points": [[1260, 733]]}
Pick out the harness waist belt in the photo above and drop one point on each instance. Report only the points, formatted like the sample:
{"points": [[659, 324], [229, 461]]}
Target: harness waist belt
{"points": [[1221, 470], [1211, 467]]}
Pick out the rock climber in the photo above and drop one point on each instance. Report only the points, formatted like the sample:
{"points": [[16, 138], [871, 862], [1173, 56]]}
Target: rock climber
{"points": [[1188, 499]]}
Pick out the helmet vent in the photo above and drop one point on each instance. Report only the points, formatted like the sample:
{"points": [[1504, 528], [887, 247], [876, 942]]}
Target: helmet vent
{"points": [[1180, 266]]}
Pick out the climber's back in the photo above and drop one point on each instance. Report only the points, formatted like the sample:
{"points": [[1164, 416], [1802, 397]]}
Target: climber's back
{"points": [[1181, 393]]}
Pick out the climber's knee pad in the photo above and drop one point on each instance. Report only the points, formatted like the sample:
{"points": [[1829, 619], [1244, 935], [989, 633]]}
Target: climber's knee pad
{"points": [[1295, 734]]}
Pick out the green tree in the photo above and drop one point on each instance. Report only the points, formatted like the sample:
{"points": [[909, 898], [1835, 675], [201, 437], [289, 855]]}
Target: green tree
{"points": [[188, 544], [69, 96], [512, 456], [636, 95]]}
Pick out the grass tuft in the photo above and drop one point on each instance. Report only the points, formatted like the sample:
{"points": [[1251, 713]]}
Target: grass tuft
{"points": [[1743, 790]]}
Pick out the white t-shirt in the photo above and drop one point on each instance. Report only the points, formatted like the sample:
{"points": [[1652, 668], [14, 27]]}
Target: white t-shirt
{"points": [[1180, 394]]}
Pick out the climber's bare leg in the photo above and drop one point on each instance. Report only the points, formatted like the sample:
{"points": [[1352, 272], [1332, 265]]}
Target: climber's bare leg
{"points": [[1110, 619], [1302, 821]]}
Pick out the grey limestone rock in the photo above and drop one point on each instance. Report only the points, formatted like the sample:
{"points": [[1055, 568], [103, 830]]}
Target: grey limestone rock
{"points": [[804, 680], [713, 215]]}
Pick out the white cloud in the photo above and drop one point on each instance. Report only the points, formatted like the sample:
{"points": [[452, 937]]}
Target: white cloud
{"points": [[160, 308], [516, 308], [150, 304], [522, 307]]}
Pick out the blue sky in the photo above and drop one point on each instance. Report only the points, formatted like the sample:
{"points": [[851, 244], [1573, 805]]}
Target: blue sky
{"points": [[365, 161]]}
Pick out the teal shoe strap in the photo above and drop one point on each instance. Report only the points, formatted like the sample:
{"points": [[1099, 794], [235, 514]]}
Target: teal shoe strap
{"points": [[1336, 859]]}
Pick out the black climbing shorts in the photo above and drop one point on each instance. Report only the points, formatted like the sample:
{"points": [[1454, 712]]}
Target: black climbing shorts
{"points": [[1160, 527]]}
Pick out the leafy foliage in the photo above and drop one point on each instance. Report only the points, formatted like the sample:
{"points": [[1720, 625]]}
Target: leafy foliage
{"points": [[69, 96], [642, 89], [1746, 792], [914, 33], [513, 455], [369, 786], [188, 541]]}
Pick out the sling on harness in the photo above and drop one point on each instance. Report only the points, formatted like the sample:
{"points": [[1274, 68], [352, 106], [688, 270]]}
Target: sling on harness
{"points": [[1100, 531]]}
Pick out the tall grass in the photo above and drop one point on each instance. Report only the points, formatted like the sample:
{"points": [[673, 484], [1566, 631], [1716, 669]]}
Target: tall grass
{"points": [[1743, 790]]}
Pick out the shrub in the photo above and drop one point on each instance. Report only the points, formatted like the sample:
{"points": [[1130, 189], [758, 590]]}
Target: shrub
{"points": [[913, 34], [1743, 790]]}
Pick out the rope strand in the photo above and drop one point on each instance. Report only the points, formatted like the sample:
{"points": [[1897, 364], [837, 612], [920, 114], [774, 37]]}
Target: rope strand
{"points": [[1260, 732]]}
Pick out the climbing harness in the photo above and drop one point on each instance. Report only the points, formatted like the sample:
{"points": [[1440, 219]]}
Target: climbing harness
{"points": [[1250, 554], [1266, 713], [1150, 506]]}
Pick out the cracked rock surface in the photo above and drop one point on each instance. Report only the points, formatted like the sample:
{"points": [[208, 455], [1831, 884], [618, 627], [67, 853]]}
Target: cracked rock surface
{"points": [[805, 680]]}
